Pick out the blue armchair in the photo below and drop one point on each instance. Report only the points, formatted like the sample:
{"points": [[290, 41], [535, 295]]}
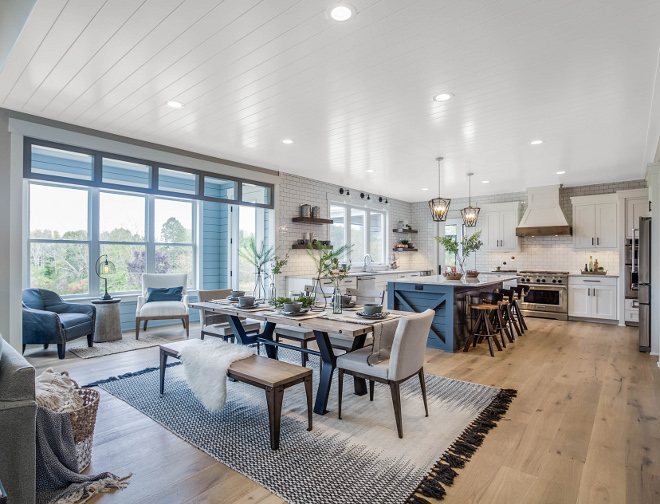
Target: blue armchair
{"points": [[47, 319]]}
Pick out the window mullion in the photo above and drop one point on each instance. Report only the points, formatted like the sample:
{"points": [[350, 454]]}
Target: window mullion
{"points": [[94, 246]]}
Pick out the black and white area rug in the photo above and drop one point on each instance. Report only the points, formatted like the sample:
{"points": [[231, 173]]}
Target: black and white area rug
{"points": [[359, 459]]}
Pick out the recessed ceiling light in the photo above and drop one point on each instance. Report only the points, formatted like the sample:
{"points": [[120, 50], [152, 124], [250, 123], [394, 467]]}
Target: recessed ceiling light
{"points": [[443, 97], [287, 141], [485, 181], [425, 188], [174, 104], [536, 142], [340, 12], [560, 172], [370, 171]]}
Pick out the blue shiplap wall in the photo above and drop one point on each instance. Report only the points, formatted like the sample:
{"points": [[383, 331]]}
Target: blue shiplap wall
{"points": [[215, 240]]}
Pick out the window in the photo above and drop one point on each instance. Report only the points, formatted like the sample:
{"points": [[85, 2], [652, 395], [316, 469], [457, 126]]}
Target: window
{"points": [[173, 229], [61, 163], [366, 233], [124, 173], [219, 188], [177, 181], [122, 238], [59, 239], [253, 193], [253, 224], [454, 228]]}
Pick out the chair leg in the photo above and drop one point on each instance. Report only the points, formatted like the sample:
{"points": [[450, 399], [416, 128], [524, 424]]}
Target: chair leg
{"points": [[340, 389], [396, 401], [308, 392], [186, 324], [137, 328], [422, 383], [183, 321], [90, 340], [46, 345], [371, 390], [145, 325], [24, 347], [303, 355], [61, 350]]}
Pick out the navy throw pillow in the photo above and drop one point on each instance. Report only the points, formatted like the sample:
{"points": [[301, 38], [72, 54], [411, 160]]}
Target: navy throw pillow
{"points": [[170, 294]]}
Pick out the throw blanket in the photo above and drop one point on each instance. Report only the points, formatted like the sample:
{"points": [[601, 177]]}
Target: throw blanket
{"points": [[57, 466], [206, 367], [57, 392], [383, 338]]}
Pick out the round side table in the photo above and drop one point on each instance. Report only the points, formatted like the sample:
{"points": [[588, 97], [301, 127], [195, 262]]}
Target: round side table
{"points": [[108, 322]]}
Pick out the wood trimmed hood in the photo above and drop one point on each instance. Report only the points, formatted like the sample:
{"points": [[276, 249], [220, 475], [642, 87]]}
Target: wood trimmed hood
{"points": [[544, 216]]}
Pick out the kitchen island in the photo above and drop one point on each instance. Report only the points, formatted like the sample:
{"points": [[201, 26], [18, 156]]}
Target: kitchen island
{"points": [[450, 299]]}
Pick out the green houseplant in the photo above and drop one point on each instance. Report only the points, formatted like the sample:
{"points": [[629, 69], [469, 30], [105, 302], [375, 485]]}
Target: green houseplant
{"points": [[461, 250], [276, 269], [258, 257], [325, 258]]}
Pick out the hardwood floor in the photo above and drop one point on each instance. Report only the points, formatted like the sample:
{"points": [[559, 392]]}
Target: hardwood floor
{"points": [[585, 427]]}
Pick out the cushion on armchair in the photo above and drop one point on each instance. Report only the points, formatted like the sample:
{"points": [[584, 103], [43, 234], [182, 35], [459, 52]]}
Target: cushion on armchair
{"points": [[164, 294], [71, 320], [163, 308]]}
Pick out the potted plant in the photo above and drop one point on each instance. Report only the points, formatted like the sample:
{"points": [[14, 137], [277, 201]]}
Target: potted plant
{"points": [[336, 275], [461, 250], [276, 269], [404, 242], [259, 258], [323, 258]]}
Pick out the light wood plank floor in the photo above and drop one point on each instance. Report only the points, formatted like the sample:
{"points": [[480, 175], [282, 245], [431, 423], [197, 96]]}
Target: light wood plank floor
{"points": [[585, 427]]}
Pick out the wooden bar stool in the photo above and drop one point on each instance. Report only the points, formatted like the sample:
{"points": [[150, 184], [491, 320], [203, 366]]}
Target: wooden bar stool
{"points": [[483, 328], [496, 317], [515, 307], [507, 314]]}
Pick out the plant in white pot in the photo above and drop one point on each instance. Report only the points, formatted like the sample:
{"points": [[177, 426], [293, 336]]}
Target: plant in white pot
{"points": [[461, 250]]}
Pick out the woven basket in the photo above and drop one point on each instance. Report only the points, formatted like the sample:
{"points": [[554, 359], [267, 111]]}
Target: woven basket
{"points": [[82, 424], [454, 276], [472, 274]]}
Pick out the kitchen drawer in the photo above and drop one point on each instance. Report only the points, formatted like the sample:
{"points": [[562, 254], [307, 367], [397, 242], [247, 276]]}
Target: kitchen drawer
{"points": [[593, 281], [631, 304], [631, 315]]}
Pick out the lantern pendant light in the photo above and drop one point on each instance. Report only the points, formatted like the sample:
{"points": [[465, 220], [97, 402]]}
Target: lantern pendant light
{"points": [[439, 206], [470, 214]]}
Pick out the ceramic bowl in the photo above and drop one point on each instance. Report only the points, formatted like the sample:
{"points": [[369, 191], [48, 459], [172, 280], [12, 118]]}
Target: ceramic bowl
{"points": [[372, 308], [293, 307], [237, 294], [246, 301], [346, 300]]}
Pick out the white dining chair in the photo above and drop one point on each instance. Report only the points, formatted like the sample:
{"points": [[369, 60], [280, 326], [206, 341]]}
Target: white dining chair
{"points": [[406, 360]]}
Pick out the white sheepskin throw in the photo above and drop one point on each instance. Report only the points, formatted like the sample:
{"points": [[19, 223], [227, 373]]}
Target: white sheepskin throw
{"points": [[206, 367]]}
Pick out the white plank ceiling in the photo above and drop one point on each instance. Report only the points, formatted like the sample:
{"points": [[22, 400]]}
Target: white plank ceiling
{"points": [[357, 96]]}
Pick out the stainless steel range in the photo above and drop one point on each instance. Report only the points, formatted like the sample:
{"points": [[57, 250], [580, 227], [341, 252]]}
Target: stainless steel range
{"points": [[547, 296]]}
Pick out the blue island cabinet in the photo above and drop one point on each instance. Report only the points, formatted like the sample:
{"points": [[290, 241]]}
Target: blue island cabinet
{"points": [[450, 299]]}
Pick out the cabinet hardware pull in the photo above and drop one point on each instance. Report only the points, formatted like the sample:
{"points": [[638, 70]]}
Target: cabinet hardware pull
{"points": [[592, 241], [597, 241]]}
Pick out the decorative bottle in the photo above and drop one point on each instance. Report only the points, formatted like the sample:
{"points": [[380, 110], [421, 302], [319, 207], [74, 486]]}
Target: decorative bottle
{"points": [[336, 301], [591, 264]]}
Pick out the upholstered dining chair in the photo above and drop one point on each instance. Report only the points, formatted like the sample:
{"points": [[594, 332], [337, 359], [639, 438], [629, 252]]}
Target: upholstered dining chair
{"points": [[406, 360], [216, 324], [360, 296], [164, 296]]}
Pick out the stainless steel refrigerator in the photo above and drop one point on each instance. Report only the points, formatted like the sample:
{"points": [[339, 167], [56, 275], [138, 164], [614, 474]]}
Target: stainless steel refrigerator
{"points": [[644, 284]]}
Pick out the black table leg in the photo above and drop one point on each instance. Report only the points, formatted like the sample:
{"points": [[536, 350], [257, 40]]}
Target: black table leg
{"points": [[244, 339], [328, 364], [163, 366], [359, 384], [269, 334]]}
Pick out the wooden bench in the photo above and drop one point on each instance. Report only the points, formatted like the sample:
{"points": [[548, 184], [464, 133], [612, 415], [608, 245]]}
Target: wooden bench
{"points": [[271, 375]]}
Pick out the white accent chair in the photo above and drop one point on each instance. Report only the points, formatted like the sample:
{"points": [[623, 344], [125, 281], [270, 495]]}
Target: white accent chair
{"points": [[406, 360], [162, 310]]}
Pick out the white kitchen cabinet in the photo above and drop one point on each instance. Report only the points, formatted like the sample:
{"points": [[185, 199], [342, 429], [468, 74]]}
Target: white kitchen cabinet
{"points": [[497, 224], [635, 208], [595, 222], [592, 297]]}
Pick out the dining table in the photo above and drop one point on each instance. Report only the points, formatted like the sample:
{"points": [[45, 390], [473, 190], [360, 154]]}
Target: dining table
{"points": [[322, 323]]}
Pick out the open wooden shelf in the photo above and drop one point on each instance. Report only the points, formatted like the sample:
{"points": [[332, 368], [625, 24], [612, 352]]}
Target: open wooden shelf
{"points": [[312, 220], [405, 231], [405, 250], [296, 246]]}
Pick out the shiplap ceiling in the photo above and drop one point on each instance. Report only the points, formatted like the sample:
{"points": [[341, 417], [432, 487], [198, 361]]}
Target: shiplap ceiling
{"points": [[357, 96]]}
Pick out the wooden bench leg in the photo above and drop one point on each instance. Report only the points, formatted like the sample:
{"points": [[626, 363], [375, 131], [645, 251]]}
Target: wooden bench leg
{"points": [[308, 392], [274, 399], [163, 367]]}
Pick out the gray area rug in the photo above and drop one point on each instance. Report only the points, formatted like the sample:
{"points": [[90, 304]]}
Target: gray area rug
{"points": [[80, 349], [359, 459]]}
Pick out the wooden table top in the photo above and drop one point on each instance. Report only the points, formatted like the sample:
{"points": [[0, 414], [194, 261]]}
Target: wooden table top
{"points": [[267, 315]]}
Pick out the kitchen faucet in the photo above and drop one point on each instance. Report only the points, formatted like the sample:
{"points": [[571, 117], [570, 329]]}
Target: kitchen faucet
{"points": [[366, 261]]}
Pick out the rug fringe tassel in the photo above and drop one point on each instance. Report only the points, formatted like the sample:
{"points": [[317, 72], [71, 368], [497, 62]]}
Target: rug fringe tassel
{"points": [[461, 451], [127, 375]]}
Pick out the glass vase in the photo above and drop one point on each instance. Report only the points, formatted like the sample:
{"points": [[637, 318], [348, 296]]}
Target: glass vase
{"points": [[336, 301], [273, 292], [259, 289], [317, 289]]}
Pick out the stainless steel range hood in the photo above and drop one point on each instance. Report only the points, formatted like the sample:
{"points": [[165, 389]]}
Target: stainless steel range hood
{"points": [[544, 216]]}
